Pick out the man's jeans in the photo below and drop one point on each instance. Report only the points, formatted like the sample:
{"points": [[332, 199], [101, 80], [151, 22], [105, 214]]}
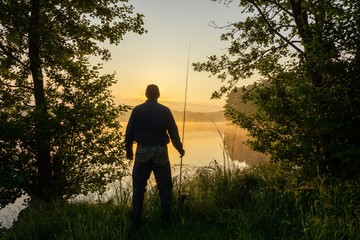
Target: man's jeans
{"points": [[147, 159]]}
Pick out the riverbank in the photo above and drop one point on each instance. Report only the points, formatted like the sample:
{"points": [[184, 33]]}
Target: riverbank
{"points": [[264, 202]]}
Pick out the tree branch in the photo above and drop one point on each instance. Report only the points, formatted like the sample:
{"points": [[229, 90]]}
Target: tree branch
{"points": [[273, 30], [7, 53], [17, 86], [281, 7]]}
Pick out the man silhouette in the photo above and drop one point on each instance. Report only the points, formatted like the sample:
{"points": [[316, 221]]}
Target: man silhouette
{"points": [[151, 126]]}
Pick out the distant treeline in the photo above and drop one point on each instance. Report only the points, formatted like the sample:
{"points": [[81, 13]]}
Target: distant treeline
{"points": [[199, 116], [217, 116]]}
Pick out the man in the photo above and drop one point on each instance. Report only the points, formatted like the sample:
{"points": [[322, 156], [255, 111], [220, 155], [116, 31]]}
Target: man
{"points": [[150, 126]]}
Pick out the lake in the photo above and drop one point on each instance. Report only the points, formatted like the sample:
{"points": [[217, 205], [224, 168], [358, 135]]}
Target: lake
{"points": [[204, 143]]}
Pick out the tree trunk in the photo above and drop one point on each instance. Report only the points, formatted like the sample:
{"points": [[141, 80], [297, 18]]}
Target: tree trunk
{"points": [[307, 37], [41, 188]]}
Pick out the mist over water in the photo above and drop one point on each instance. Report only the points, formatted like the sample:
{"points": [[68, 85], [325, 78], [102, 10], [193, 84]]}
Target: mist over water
{"points": [[205, 142]]}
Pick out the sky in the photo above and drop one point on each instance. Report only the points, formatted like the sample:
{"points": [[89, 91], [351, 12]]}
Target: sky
{"points": [[161, 55]]}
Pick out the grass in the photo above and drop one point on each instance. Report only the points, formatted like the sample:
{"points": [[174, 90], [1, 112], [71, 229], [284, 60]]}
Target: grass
{"points": [[264, 202]]}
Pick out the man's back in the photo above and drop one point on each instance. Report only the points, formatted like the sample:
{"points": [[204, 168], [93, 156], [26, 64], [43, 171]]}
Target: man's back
{"points": [[151, 123]]}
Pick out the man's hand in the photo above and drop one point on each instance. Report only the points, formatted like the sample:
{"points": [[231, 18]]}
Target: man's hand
{"points": [[130, 156], [182, 153]]}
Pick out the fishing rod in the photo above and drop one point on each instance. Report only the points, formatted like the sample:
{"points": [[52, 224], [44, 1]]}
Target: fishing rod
{"points": [[181, 196]]}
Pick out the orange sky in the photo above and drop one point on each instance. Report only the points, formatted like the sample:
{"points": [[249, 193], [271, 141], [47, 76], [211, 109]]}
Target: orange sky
{"points": [[160, 56]]}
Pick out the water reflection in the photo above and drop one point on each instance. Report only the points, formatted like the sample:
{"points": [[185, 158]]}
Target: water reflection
{"points": [[207, 141], [235, 139]]}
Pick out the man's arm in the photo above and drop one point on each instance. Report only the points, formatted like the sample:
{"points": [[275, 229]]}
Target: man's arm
{"points": [[174, 135], [129, 138]]}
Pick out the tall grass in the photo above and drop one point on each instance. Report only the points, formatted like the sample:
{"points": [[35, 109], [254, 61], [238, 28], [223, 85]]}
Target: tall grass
{"points": [[271, 202], [263, 202]]}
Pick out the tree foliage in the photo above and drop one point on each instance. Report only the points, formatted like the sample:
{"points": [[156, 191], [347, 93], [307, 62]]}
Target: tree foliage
{"points": [[59, 133], [307, 56]]}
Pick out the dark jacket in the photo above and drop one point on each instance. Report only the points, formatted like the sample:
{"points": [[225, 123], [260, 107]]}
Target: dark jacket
{"points": [[152, 123]]}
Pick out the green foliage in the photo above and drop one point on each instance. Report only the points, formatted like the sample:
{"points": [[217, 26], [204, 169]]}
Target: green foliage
{"points": [[264, 202], [58, 121], [307, 106], [71, 221]]}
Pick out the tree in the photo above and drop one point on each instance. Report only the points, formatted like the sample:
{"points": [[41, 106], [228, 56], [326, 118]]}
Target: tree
{"points": [[307, 54], [59, 133], [235, 101]]}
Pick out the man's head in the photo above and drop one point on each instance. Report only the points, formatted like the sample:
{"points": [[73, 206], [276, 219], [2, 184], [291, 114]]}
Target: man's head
{"points": [[152, 92]]}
